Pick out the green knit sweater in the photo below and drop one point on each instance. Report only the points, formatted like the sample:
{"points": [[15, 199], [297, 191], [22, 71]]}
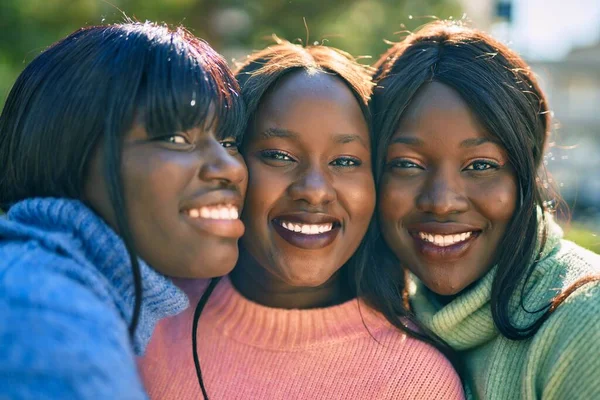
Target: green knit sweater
{"points": [[561, 361]]}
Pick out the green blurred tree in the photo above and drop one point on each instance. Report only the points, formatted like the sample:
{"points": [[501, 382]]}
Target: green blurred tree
{"points": [[234, 27]]}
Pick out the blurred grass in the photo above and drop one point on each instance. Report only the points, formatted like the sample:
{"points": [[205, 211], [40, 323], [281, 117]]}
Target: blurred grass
{"points": [[583, 236]]}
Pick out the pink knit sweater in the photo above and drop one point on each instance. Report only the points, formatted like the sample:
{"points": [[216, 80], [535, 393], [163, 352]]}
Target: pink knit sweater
{"points": [[248, 351]]}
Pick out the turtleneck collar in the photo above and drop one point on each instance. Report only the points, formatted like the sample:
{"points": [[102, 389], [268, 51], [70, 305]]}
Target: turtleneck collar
{"points": [[466, 322], [69, 227]]}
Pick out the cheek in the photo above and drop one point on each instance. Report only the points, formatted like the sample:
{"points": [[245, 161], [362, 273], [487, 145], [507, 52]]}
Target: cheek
{"points": [[395, 200], [155, 181], [243, 187], [496, 200], [265, 187], [358, 192]]}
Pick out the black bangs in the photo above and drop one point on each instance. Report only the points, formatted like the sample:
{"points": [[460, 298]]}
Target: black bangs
{"points": [[187, 85]]}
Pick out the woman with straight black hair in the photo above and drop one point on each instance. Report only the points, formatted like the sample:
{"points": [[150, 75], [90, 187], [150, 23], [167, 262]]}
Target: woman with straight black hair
{"points": [[288, 323], [461, 128], [118, 168]]}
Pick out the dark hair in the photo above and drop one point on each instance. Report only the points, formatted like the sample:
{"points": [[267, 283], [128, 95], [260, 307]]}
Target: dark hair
{"points": [[502, 92], [259, 73], [91, 88]]}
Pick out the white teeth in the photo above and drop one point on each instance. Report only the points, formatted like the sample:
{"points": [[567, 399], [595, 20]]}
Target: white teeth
{"points": [[307, 229], [445, 240], [223, 212]]}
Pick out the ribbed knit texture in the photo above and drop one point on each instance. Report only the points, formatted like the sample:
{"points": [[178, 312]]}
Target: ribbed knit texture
{"points": [[66, 299], [248, 351], [562, 360]]}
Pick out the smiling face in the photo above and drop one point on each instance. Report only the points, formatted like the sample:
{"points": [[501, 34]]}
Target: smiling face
{"points": [[447, 194], [183, 193], [311, 193]]}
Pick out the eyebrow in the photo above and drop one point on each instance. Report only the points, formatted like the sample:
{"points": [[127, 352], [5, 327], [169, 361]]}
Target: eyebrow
{"points": [[278, 133], [287, 134], [412, 141], [477, 142], [349, 138]]}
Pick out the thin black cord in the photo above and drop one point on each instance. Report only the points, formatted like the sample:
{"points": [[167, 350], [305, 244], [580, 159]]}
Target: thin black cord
{"points": [[138, 293], [199, 307]]}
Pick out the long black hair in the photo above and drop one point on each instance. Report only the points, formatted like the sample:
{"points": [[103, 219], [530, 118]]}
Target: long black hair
{"points": [[504, 95], [92, 87]]}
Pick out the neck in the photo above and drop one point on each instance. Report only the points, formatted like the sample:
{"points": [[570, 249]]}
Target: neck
{"points": [[260, 286]]}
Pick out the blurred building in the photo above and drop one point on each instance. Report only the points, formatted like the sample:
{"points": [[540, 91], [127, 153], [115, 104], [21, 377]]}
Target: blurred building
{"points": [[572, 85], [487, 14], [573, 89]]}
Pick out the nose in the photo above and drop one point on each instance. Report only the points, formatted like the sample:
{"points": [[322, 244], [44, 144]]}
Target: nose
{"points": [[220, 165], [313, 187], [443, 194]]}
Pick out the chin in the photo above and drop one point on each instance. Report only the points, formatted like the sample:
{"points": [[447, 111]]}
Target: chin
{"points": [[307, 279], [219, 264], [447, 291], [443, 288]]}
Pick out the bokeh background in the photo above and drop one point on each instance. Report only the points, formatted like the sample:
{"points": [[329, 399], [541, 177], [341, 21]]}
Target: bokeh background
{"points": [[560, 39]]}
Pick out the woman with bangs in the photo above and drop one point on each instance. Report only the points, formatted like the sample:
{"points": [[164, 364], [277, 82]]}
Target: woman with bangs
{"points": [[119, 169], [288, 322], [462, 127]]}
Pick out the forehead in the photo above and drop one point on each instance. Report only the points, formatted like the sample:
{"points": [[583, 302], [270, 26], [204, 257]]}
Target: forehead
{"points": [[311, 108], [316, 86], [435, 97], [438, 110]]}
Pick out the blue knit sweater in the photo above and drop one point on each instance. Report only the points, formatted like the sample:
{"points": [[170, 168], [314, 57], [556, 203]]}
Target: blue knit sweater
{"points": [[66, 299]]}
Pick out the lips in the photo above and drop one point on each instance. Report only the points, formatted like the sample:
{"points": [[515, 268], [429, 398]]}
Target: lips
{"points": [[215, 213], [443, 241], [308, 231]]}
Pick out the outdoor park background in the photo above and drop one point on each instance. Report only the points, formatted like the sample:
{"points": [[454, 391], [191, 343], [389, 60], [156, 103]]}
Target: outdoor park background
{"points": [[561, 40]]}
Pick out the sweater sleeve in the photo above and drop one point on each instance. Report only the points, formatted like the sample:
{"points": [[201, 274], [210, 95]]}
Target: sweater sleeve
{"points": [[59, 341], [565, 354]]}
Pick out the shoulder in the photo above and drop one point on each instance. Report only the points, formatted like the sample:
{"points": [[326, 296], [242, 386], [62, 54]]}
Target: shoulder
{"points": [[418, 369], [577, 313], [579, 309], [41, 279], [65, 341], [575, 261], [565, 353]]}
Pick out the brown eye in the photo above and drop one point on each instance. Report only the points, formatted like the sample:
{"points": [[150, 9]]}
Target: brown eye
{"points": [[275, 155], [481, 165], [174, 139], [404, 164], [231, 145], [346, 162]]}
